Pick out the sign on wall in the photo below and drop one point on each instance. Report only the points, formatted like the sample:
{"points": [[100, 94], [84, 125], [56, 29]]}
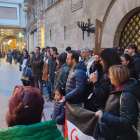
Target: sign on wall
{"points": [[98, 36], [76, 4]]}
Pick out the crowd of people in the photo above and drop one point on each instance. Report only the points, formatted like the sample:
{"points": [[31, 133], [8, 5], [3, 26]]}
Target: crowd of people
{"points": [[107, 84]]}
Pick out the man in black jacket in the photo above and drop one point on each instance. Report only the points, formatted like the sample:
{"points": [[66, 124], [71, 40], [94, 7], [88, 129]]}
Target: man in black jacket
{"points": [[133, 51], [36, 63], [14, 53], [76, 81], [52, 67]]}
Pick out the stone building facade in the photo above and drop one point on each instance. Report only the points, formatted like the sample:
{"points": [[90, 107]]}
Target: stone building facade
{"points": [[54, 22]]}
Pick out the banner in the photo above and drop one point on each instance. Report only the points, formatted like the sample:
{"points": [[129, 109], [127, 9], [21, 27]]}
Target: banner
{"points": [[80, 124]]}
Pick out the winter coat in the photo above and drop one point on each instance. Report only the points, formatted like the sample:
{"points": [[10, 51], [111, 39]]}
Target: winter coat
{"points": [[89, 86], [121, 114], [52, 66], [19, 58], [137, 63], [62, 75], [28, 60], [40, 131], [59, 113], [75, 84], [37, 65], [132, 69], [14, 53], [44, 71], [101, 91], [97, 66], [9, 55]]}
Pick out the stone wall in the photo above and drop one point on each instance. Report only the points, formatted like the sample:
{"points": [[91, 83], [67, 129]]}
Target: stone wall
{"points": [[66, 13]]}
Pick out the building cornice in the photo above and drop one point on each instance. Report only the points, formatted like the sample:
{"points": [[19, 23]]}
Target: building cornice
{"points": [[52, 5], [32, 23]]}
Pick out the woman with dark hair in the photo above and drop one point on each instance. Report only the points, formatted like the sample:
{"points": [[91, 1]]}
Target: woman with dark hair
{"points": [[25, 60], [119, 120], [101, 89], [62, 71], [24, 117], [128, 62], [45, 76]]}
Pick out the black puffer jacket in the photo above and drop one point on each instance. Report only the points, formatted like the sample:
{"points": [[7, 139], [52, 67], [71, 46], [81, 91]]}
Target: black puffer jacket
{"points": [[120, 118], [59, 113], [52, 66], [75, 84], [132, 69], [101, 91], [62, 75], [37, 65], [137, 63]]}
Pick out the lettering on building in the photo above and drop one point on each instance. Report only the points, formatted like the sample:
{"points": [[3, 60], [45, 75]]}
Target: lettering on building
{"points": [[76, 4]]}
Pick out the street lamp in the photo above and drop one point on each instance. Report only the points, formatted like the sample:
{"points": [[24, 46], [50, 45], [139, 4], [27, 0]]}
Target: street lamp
{"points": [[86, 27]]}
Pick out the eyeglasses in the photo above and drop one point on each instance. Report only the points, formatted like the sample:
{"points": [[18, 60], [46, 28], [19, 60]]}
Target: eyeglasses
{"points": [[24, 87]]}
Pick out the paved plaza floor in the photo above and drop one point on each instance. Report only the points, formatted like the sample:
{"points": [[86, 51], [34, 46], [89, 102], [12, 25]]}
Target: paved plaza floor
{"points": [[9, 78]]}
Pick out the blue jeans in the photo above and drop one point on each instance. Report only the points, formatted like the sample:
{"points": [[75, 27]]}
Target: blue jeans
{"points": [[48, 87], [51, 80]]}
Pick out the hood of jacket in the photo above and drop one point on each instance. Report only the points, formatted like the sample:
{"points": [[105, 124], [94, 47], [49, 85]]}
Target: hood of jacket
{"points": [[81, 65], [136, 55], [43, 131], [132, 87]]}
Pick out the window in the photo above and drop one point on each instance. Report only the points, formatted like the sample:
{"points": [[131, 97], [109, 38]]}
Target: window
{"points": [[88, 33], [64, 32], [50, 35], [52, 1], [131, 31]]}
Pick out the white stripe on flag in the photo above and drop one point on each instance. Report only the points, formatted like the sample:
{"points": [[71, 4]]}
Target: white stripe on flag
{"points": [[76, 134]]}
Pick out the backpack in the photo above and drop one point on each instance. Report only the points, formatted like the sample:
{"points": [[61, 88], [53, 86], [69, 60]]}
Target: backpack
{"points": [[137, 130]]}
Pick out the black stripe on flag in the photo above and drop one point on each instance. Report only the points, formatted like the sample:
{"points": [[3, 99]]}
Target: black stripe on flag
{"points": [[83, 119]]}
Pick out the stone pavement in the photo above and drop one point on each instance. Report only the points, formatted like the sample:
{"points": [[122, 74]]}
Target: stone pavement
{"points": [[9, 78]]}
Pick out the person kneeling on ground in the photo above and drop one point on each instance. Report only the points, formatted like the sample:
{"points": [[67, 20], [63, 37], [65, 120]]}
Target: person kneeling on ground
{"points": [[59, 109], [24, 117], [121, 111]]}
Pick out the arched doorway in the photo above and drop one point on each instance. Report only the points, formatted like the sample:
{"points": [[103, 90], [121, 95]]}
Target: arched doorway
{"points": [[116, 18], [131, 31]]}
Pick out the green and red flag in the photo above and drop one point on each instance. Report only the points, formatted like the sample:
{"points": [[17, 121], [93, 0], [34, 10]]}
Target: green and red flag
{"points": [[80, 124]]}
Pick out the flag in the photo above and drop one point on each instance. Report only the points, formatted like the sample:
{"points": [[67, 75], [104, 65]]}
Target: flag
{"points": [[80, 124]]}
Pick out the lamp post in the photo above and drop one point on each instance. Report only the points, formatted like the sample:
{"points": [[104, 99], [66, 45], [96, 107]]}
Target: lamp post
{"points": [[86, 27]]}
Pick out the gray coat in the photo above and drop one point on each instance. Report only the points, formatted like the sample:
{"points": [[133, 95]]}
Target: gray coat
{"points": [[9, 55]]}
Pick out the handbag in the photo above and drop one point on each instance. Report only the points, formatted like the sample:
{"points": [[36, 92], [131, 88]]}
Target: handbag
{"points": [[27, 71]]}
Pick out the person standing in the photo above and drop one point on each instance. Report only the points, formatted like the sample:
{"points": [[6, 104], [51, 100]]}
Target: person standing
{"points": [[101, 87], [24, 62], [62, 71], [76, 81], [68, 49], [85, 53], [9, 56], [133, 51], [128, 62], [45, 76], [31, 78], [36, 63], [52, 67], [14, 53], [119, 120]]}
